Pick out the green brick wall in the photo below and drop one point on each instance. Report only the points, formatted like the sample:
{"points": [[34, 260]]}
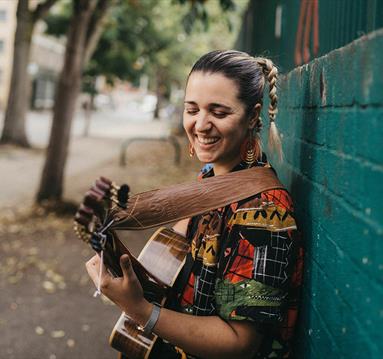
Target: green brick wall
{"points": [[339, 23], [331, 120]]}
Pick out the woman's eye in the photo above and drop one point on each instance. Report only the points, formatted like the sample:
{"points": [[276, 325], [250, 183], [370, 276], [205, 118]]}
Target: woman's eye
{"points": [[191, 112], [220, 114]]}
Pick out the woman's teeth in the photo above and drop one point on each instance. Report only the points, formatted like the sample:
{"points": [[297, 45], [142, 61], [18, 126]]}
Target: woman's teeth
{"points": [[208, 141]]}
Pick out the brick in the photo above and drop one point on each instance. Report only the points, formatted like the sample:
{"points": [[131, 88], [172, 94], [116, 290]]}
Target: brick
{"points": [[369, 129], [339, 320], [340, 77], [369, 66], [318, 333]]}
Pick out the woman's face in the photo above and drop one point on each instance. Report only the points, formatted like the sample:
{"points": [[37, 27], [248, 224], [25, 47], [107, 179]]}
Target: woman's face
{"points": [[214, 119]]}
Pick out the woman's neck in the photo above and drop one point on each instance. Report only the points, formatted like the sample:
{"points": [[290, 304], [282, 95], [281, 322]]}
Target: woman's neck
{"points": [[226, 167]]}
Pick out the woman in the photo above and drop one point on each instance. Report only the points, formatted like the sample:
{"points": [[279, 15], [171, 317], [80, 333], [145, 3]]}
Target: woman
{"points": [[240, 300]]}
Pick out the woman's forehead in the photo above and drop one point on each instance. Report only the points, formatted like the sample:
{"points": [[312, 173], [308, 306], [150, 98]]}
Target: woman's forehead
{"points": [[211, 88]]}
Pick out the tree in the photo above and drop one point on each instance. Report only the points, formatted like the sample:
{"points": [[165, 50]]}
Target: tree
{"points": [[88, 17], [131, 44], [18, 96]]}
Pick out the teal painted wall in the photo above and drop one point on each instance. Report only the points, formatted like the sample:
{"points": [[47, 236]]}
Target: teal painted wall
{"points": [[339, 23], [331, 120]]}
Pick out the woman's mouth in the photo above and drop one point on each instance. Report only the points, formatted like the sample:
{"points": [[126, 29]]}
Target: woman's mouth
{"points": [[207, 140]]}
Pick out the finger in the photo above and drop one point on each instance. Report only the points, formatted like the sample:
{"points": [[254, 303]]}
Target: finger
{"points": [[126, 266]]}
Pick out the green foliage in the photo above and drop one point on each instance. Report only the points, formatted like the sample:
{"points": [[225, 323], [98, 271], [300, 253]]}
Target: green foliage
{"points": [[153, 38], [57, 22], [198, 12]]}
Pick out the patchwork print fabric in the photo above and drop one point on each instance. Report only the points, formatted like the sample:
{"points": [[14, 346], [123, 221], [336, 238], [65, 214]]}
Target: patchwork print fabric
{"points": [[248, 263]]}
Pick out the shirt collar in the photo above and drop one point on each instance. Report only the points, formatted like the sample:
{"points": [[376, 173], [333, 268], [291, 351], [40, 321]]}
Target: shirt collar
{"points": [[208, 169]]}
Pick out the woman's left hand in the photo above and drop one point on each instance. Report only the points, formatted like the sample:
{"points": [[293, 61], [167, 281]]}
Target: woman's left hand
{"points": [[125, 291]]}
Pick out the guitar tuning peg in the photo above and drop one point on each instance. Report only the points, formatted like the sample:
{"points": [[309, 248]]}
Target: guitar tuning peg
{"points": [[94, 203], [103, 186], [106, 180], [96, 194], [85, 211], [123, 194], [81, 219], [97, 191]]}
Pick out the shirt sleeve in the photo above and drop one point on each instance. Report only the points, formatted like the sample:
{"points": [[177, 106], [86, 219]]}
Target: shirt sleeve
{"points": [[258, 262]]}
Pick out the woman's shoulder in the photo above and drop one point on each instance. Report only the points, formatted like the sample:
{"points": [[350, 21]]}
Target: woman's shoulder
{"points": [[272, 210]]}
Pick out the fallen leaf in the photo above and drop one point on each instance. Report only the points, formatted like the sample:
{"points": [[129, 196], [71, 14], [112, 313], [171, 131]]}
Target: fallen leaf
{"points": [[85, 327], [57, 334], [49, 286], [39, 330], [70, 343]]}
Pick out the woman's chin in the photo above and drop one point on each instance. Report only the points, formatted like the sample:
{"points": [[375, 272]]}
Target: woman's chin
{"points": [[205, 158]]}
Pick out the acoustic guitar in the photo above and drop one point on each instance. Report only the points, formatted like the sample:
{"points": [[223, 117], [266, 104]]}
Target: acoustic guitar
{"points": [[157, 266]]}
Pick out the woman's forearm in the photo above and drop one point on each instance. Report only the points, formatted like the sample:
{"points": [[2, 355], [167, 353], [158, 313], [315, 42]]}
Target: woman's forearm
{"points": [[204, 336]]}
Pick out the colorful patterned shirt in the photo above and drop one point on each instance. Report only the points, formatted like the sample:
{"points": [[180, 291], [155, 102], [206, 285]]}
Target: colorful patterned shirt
{"points": [[247, 265]]}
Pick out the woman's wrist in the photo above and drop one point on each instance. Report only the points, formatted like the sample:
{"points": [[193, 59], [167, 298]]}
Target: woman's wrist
{"points": [[141, 312]]}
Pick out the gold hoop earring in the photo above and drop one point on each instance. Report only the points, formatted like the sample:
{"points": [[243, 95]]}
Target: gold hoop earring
{"points": [[248, 149], [191, 150]]}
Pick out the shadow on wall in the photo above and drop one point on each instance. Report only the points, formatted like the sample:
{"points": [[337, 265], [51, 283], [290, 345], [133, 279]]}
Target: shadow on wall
{"points": [[306, 93]]}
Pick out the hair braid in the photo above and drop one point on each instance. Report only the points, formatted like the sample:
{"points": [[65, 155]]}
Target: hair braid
{"points": [[271, 74]]}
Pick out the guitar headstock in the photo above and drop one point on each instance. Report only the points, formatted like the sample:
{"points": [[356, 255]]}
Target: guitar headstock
{"points": [[101, 197]]}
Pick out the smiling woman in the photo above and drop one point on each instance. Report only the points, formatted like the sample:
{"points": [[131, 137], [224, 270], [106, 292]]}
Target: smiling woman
{"points": [[238, 297], [214, 120]]}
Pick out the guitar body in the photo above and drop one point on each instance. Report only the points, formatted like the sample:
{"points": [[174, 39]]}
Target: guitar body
{"points": [[164, 254]]}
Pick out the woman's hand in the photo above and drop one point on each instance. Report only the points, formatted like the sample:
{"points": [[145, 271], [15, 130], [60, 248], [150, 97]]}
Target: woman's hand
{"points": [[124, 291], [205, 337]]}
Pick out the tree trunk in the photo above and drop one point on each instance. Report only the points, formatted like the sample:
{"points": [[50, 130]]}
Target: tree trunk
{"points": [[18, 97], [68, 88], [159, 95]]}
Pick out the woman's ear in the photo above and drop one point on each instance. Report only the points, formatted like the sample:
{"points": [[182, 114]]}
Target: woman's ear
{"points": [[255, 116]]}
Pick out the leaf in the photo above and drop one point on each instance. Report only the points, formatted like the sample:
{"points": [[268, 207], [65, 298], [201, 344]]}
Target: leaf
{"points": [[70, 343], [49, 286], [39, 330], [57, 334], [85, 327]]}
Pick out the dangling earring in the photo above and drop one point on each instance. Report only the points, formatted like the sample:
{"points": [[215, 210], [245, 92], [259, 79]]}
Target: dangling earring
{"points": [[248, 149], [191, 150]]}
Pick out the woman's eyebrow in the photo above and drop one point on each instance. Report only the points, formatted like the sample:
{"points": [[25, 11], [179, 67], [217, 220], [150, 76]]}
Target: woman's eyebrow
{"points": [[213, 105]]}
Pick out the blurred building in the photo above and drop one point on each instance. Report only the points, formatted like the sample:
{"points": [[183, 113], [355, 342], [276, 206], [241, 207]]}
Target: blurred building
{"points": [[47, 56], [45, 61], [7, 30]]}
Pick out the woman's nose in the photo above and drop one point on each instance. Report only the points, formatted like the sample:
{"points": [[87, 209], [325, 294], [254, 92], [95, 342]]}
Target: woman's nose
{"points": [[203, 122]]}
